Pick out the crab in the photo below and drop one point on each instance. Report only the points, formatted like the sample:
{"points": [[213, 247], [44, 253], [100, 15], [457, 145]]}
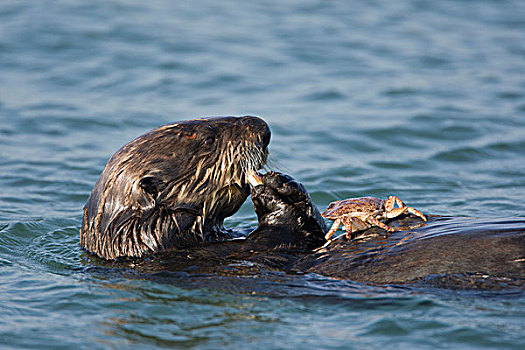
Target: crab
{"points": [[254, 178], [356, 214]]}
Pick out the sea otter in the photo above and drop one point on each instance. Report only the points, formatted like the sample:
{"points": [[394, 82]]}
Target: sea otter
{"points": [[168, 192], [173, 186]]}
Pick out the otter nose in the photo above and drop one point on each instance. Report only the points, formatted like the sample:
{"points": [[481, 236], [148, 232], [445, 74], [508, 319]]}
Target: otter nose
{"points": [[266, 136], [259, 128]]}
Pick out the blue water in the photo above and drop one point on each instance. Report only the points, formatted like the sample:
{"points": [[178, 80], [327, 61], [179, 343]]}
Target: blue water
{"points": [[422, 99]]}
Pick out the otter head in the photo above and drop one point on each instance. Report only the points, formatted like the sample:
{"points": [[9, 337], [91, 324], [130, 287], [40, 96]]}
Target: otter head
{"points": [[173, 186]]}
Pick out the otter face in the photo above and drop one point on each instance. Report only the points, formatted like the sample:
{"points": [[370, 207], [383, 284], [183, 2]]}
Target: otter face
{"points": [[173, 186]]}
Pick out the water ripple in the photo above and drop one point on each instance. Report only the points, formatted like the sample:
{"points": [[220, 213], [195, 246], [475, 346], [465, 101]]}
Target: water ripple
{"points": [[419, 99]]}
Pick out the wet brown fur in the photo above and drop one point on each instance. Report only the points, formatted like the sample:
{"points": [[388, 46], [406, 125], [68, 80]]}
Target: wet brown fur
{"points": [[173, 186]]}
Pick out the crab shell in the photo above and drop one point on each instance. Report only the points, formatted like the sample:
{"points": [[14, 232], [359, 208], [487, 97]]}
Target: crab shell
{"points": [[355, 207], [254, 178]]}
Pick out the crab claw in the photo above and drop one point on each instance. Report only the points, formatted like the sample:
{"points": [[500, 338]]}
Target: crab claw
{"points": [[254, 178]]}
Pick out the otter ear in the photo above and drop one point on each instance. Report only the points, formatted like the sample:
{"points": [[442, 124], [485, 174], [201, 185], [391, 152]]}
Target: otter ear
{"points": [[151, 185]]}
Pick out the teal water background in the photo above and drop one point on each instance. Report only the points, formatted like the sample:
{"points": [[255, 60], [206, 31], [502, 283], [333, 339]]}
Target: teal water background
{"points": [[422, 99]]}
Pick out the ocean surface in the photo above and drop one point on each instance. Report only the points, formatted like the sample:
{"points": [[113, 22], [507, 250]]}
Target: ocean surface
{"points": [[421, 99]]}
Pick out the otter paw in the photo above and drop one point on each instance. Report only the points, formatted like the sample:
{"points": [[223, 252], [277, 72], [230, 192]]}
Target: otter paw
{"points": [[280, 200]]}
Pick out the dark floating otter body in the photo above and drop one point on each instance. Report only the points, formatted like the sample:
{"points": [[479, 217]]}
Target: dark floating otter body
{"points": [[464, 253], [459, 251], [168, 192]]}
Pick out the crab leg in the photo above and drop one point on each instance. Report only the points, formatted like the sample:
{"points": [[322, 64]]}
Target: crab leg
{"points": [[391, 212], [375, 222], [416, 213], [395, 212], [333, 229], [351, 225]]}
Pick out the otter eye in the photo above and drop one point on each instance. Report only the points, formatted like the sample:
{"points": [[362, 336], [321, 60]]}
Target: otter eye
{"points": [[189, 136], [209, 141]]}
